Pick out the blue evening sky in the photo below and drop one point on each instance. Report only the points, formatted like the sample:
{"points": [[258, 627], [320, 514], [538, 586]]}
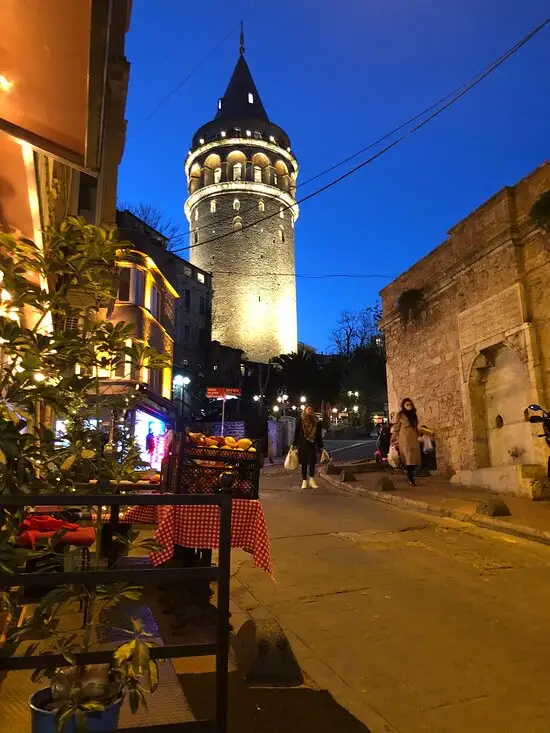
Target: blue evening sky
{"points": [[337, 80]]}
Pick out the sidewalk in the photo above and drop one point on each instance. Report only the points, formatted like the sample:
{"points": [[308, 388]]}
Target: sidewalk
{"points": [[434, 495]]}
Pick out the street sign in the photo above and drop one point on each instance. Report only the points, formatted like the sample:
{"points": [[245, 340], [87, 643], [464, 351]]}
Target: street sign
{"points": [[216, 392]]}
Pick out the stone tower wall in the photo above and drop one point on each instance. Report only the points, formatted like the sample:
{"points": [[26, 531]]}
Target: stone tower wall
{"points": [[255, 309]]}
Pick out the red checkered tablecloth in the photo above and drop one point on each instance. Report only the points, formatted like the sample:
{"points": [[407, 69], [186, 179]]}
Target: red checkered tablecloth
{"points": [[199, 526]]}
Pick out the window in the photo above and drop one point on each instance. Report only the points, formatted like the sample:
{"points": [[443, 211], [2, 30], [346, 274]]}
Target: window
{"points": [[187, 300], [202, 337], [238, 172], [213, 206], [217, 174], [236, 205], [124, 275], [249, 133], [200, 277], [275, 179], [138, 278], [219, 103], [187, 332], [215, 367], [155, 380], [237, 224], [186, 362], [282, 213], [281, 234], [202, 305], [238, 131], [261, 206], [187, 271], [155, 302], [250, 98], [223, 133], [196, 238], [257, 174], [196, 214], [257, 135], [243, 370]]}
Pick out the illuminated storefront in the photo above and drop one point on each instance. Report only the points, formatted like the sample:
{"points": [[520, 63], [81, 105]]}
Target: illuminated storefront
{"points": [[149, 434]]}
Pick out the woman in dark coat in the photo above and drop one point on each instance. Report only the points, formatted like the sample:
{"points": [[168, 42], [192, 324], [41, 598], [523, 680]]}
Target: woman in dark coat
{"points": [[308, 438]]}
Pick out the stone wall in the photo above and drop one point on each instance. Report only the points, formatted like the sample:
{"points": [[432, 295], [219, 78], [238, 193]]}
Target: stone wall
{"points": [[254, 310], [486, 288]]}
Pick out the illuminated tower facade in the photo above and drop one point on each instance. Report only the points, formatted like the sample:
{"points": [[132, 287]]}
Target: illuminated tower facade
{"points": [[241, 208]]}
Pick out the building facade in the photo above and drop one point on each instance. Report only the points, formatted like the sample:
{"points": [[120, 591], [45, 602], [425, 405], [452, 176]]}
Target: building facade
{"points": [[467, 332], [241, 175]]}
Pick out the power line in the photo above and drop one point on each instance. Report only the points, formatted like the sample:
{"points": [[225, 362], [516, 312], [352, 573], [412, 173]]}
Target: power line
{"points": [[451, 99], [190, 74], [303, 275]]}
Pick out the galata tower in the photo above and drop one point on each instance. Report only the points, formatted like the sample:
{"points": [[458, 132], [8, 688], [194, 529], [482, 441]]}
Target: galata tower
{"points": [[241, 175]]}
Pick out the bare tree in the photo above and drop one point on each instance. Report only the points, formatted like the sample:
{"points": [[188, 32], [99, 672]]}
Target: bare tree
{"points": [[355, 330], [157, 220]]}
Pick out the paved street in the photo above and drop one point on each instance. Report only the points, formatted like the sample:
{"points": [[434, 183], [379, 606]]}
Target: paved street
{"points": [[351, 450], [415, 625]]}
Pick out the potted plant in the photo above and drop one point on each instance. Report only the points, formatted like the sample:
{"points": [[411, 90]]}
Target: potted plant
{"points": [[45, 291]]}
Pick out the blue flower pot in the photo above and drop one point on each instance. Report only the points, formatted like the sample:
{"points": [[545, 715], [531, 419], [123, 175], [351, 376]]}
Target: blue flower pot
{"points": [[43, 721]]}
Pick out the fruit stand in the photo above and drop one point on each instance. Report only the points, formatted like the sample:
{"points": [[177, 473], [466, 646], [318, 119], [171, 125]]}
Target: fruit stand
{"points": [[196, 462]]}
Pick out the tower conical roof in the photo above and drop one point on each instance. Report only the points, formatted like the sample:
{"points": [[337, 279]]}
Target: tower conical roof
{"points": [[241, 98]]}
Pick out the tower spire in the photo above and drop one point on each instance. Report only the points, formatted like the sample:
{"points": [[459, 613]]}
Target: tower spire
{"points": [[241, 47]]}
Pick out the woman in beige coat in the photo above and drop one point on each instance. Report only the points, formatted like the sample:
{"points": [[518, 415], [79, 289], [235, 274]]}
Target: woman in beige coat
{"points": [[405, 436]]}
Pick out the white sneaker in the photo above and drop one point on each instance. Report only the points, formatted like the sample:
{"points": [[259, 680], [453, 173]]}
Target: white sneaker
{"points": [[313, 484], [304, 484]]}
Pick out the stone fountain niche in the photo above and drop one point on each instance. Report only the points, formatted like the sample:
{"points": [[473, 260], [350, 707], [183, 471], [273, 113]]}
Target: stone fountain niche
{"points": [[505, 457]]}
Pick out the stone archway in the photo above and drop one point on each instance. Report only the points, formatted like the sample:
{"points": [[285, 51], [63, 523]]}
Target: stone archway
{"points": [[499, 393]]}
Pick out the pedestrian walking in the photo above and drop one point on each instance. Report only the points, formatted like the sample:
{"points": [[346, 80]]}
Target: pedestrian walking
{"points": [[405, 436], [308, 439]]}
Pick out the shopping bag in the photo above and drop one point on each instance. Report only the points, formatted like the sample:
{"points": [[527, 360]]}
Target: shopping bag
{"points": [[291, 460], [325, 458], [427, 444], [393, 457]]}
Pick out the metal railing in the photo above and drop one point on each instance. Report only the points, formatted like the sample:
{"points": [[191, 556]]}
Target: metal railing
{"points": [[219, 574]]}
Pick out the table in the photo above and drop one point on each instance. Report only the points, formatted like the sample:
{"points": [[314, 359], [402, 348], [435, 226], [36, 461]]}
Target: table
{"points": [[199, 526]]}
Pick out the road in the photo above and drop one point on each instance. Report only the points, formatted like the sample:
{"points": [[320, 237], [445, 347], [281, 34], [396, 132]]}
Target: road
{"points": [[414, 624], [351, 450]]}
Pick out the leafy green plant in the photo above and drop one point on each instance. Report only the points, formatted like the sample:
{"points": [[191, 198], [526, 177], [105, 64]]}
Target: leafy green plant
{"points": [[540, 212], [410, 305], [56, 346]]}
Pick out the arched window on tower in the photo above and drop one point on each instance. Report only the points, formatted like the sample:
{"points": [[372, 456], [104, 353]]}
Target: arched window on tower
{"points": [[250, 98], [281, 234], [196, 238], [217, 175], [196, 214], [237, 171], [261, 206], [213, 206], [257, 174], [282, 212], [237, 224], [275, 179], [236, 205]]}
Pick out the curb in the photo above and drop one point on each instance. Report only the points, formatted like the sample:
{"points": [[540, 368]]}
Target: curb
{"points": [[480, 520]]}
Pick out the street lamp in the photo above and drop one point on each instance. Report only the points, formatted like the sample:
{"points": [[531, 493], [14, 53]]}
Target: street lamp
{"points": [[275, 408], [303, 399], [182, 383], [256, 398], [356, 408], [335, 410]]}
